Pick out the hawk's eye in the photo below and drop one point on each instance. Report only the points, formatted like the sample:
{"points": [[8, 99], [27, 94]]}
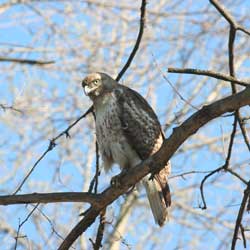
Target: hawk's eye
{"points": [[95, 81]]}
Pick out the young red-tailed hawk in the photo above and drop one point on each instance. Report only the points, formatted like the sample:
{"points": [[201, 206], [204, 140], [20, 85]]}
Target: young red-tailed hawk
{"points": [[128, 132]]}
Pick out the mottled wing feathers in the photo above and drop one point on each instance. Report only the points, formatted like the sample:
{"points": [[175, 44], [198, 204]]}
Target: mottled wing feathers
{"points": [[143, 132], [140, 124]]}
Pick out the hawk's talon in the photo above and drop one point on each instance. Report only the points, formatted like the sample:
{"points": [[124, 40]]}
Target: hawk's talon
{"points": [[115, 181]]}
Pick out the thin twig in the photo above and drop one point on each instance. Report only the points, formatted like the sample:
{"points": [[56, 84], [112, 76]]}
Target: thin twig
{"points": [[138, 41], [26, 61], [202, 186], [244, 131], [231, 142], [188, 173], [66, 131], [22, 223], [53, 229], [242, 230], [98, 241], [50, 147], [208, 73], [94, 181], [240, 215], [5, 107], [173, 87], [243, 30], [222, 10], [97, 172], [224, 167]]}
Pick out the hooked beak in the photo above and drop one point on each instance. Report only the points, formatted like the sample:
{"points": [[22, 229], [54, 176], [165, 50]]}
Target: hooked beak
{"points": [[88, 90]]}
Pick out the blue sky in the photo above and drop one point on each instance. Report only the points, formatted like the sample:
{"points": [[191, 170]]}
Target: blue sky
{"points": [[58, 88]]}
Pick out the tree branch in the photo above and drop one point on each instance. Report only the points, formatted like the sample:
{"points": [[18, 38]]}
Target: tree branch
{"points": [[25, 61], [6, 107], [208, 73], [240, 215], [234, 26], [137, 43], [98, 242], [223, 11], [49, 198]]}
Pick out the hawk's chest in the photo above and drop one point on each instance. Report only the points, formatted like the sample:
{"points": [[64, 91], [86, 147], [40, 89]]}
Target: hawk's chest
{"points": [[108, 124], [113, 144], [109, 132]]}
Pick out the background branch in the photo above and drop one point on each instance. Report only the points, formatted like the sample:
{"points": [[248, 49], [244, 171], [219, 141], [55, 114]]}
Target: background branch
{"points": [[240, 216], [26, 61], [210, 73], [137, 43], [49, 198]]}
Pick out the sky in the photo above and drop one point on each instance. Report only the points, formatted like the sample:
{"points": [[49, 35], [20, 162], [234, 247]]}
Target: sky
{"points": [[52, 98]]}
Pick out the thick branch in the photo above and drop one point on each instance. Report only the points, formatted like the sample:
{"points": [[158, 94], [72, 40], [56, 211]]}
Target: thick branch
{"points": [[158, 160]]}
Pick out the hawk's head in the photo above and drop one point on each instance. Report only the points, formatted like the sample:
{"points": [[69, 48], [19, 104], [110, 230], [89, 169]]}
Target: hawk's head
{"points": [[97, 84]]}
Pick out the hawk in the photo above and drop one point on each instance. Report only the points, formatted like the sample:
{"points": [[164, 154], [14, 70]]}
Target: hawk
{"points": [[128, 132]]}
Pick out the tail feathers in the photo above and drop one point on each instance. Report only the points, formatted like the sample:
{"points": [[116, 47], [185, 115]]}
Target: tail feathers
{"points": [[163, 185], [159, 200]]}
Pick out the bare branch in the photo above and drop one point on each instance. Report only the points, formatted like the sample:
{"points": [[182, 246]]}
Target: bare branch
{"points": [[225, 13], [94, 181], [221, 9], [49, 198], [174, 88], [208, 73], [232, 34], [25, 61], [202, 186], [182, 175], [137, 43], [242, 230], [240, 215], [5, 107], [81, 227], [22, 223], [98, 242]]}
